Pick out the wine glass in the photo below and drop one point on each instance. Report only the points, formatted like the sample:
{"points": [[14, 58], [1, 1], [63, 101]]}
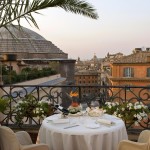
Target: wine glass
{"points": [[94, 104], [83, 108]]}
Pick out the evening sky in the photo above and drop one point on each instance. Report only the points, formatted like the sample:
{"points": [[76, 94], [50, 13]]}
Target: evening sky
{"points": [[122, 26]]}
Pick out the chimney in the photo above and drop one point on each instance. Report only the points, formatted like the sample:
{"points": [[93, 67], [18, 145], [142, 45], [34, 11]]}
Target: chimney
{"points": [[148, 49], [137, 50]]}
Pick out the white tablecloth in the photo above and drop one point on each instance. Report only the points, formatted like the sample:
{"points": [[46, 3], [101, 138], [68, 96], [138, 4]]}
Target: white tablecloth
{"points": [[81, 137]]}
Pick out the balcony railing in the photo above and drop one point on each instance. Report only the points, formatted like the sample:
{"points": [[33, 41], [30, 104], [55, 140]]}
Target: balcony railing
{"points": [[88, 95]]}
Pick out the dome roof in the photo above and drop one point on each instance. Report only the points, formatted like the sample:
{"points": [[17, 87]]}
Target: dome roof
{"points": [[26, 41], [23, 33]]}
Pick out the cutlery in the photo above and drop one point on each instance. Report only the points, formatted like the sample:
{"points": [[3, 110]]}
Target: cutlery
{"points": [[71, 126]]}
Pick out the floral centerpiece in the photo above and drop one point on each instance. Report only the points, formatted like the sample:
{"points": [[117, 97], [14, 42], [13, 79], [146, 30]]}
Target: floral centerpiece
{"points": [[94, 111], [75, 107], [129, 112]]}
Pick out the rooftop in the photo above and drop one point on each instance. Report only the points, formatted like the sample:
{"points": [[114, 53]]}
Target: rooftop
{"points": [[138, 56], [25, 40]]}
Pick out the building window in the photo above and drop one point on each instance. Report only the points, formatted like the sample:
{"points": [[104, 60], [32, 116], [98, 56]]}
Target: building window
{"points": [[148, 72], [128, 72]]}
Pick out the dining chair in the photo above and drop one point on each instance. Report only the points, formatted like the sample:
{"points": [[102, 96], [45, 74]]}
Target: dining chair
{"points": [[20, 140], [143, 142]]}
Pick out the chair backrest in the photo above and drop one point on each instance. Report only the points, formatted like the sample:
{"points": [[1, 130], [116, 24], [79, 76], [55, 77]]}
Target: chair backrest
{"points": [[8, 139], [144, 136], [23, 138]]}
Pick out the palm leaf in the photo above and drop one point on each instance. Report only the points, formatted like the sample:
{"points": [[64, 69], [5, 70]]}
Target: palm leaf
{"points": [[15, 10]]}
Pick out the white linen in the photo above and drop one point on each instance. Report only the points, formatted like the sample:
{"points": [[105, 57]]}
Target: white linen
{"points": [[54, 117], [92, 125], [81, 137], [61, 121]]}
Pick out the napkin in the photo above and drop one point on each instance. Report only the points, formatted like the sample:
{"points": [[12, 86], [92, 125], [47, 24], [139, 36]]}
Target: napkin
{"points": [[60, 121], [105, 121]]}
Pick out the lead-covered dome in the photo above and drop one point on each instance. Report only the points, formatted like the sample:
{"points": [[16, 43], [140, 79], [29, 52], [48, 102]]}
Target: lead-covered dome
{"points": [[27, 44], [19, 33]]}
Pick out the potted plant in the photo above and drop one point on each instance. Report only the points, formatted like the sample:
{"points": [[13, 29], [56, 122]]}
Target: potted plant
{"points": [[3, 106], [133, 113], [44, 109], [29, 107]]}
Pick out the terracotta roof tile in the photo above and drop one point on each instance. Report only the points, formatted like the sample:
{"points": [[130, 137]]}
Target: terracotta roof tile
{"points": [[138, 57]]}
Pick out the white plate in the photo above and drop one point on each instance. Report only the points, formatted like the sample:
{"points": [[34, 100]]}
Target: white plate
{"points": [[92, 126], [76, 114]]}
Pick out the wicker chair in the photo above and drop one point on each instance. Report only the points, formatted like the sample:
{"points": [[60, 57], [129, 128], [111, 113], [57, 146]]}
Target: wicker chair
{"points": [[143, 142], [18, 141]]}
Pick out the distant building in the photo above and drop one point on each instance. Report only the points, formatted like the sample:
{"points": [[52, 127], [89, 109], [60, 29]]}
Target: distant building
{"points": [[87, 77], [131, 70], [113, 57], [29, 49], [27, 44], [92, 64], [106, 66]]}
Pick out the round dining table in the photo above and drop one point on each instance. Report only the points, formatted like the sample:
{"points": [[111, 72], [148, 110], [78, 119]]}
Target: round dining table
{"points": [[82, 132]]}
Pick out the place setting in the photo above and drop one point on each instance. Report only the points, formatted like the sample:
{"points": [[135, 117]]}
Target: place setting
{"points": [[74, 116], [89, 123]]}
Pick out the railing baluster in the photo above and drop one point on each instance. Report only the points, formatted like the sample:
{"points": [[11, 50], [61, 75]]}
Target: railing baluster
{"points": [[54, 94]]}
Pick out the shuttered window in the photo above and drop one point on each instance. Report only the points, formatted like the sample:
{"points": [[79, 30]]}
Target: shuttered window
{"points": [[128, 72], [148, 72]]}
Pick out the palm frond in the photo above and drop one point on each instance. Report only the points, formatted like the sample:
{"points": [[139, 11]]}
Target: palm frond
{"points": [[79, 7], [15, 10]]}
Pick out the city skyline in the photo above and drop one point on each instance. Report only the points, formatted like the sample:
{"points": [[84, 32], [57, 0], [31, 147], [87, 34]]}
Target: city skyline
{"points": [[121, 27]]}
